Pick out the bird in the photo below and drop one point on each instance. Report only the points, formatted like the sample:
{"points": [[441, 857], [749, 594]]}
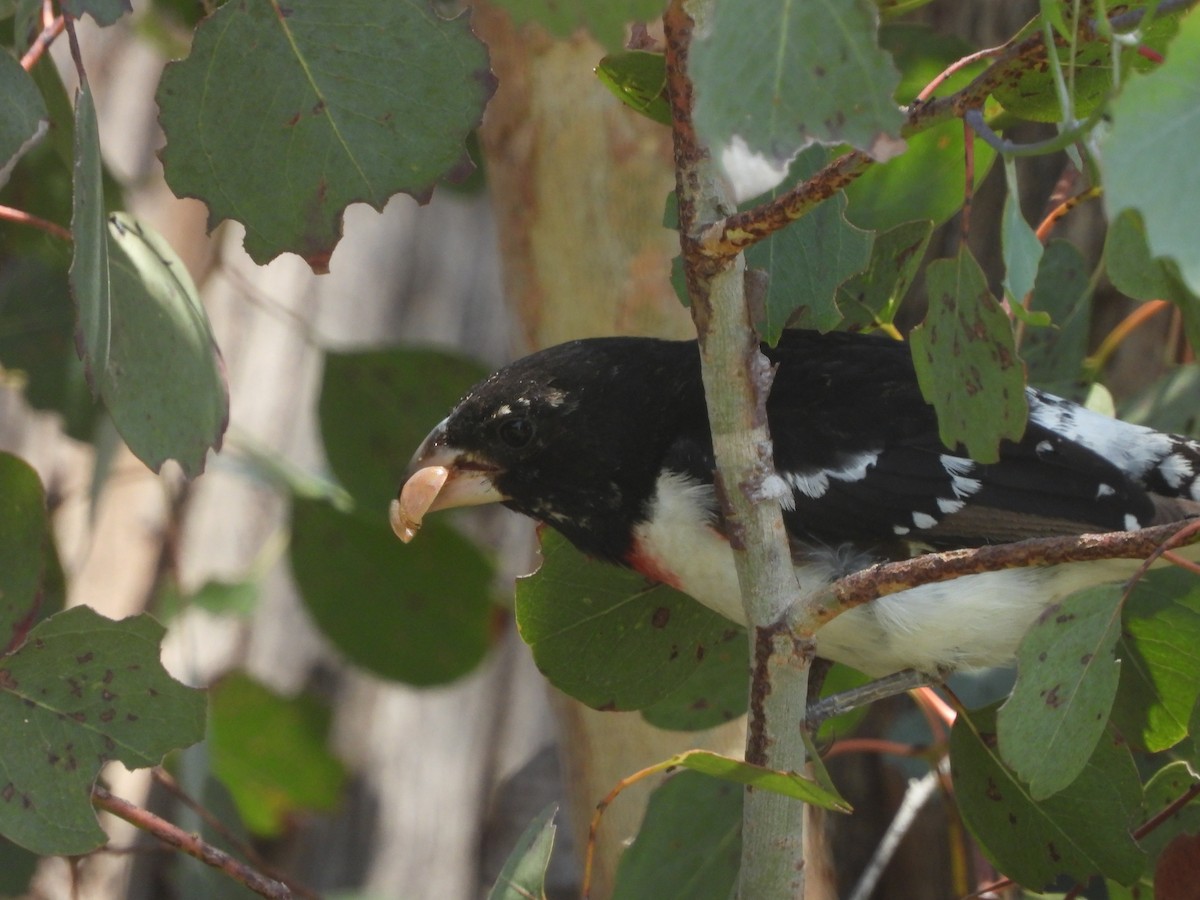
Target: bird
{"points": [[607, 441]]}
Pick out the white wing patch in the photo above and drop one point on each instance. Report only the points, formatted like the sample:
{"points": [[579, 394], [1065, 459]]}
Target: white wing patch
{"points": [[1133, 449], [815, 484], [958, 468], [1176, 470]]}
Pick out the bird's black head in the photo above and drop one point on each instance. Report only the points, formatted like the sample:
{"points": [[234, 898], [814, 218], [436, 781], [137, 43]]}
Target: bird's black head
{"points": [[572, 436]]}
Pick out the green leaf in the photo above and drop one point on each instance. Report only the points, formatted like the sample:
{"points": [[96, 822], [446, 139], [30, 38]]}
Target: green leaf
{"points": [[1080, 831], [1054, 356], [606, 635], [927, 181], [1020, 246], [606, 21], [1160, 660], [808, 260], [165, 385], [23, 116], [105, 12], [271, 752], [524, 872], [377, 406], [1134, 272], [1030, 92], [689, 845], [966, 362], [713, 694], [899, 7], [873, 296], [24, 536], [80, 691], [1166, 786], [782, 75], [638, 78], [417, 614], [221, 598], [17, 867], [90, 277], [37, 325], [788, 784], [281, 121], [1146, 157], [1067, 675], [921, 54]]}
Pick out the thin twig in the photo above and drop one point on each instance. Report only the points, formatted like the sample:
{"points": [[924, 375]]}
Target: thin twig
{"points": [[880, 689], [958, 66], [1055, 215], [42, 42], [24, 218], [873, 745], [892, 577], [168, 783], [919, 792], [190, 844]]}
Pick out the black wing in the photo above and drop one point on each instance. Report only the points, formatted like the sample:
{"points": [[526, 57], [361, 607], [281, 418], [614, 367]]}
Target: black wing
{"points": [[859, 448]]}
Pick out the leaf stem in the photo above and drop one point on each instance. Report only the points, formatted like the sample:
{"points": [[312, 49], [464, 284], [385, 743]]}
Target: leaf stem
{"points": [[42, 42], [24, 218]]}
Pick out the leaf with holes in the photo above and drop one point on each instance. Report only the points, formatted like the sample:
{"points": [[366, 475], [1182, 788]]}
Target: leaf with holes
{"points": [[607, 636], [873, 295], [1067, 675], [80, 691], [282, 117], [808, 260], [713, 694], [1080, 831], [966, 361]]}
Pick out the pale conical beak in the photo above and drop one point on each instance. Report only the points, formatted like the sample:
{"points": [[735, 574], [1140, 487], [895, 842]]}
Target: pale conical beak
{"points": [[440, 477]]}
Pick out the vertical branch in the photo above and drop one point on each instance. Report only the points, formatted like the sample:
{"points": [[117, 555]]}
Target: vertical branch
{"points": [[737, 380]]}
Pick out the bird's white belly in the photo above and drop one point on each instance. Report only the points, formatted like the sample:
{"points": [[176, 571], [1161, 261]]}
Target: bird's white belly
{"points": [[970, 622]]}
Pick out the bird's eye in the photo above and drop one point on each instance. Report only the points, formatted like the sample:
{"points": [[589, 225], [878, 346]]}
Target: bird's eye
{"points": [[517, 432]]}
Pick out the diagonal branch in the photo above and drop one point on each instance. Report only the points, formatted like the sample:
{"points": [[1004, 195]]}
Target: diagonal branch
{"points": [[191, 844], [893, 577]]}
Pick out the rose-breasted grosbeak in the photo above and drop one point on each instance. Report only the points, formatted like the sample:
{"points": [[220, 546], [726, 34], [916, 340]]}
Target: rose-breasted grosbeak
{"points": [[607, 441]]}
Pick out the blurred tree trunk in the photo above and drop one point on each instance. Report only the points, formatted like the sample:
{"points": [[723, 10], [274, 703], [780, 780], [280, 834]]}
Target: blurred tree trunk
{"points": [[578, 185]]}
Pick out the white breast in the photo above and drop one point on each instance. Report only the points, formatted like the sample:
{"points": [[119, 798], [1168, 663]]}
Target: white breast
{"points": [[971, 622]]}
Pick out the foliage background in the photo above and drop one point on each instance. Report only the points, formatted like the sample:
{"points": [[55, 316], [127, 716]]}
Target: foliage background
{"points": [[427, 801]]}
